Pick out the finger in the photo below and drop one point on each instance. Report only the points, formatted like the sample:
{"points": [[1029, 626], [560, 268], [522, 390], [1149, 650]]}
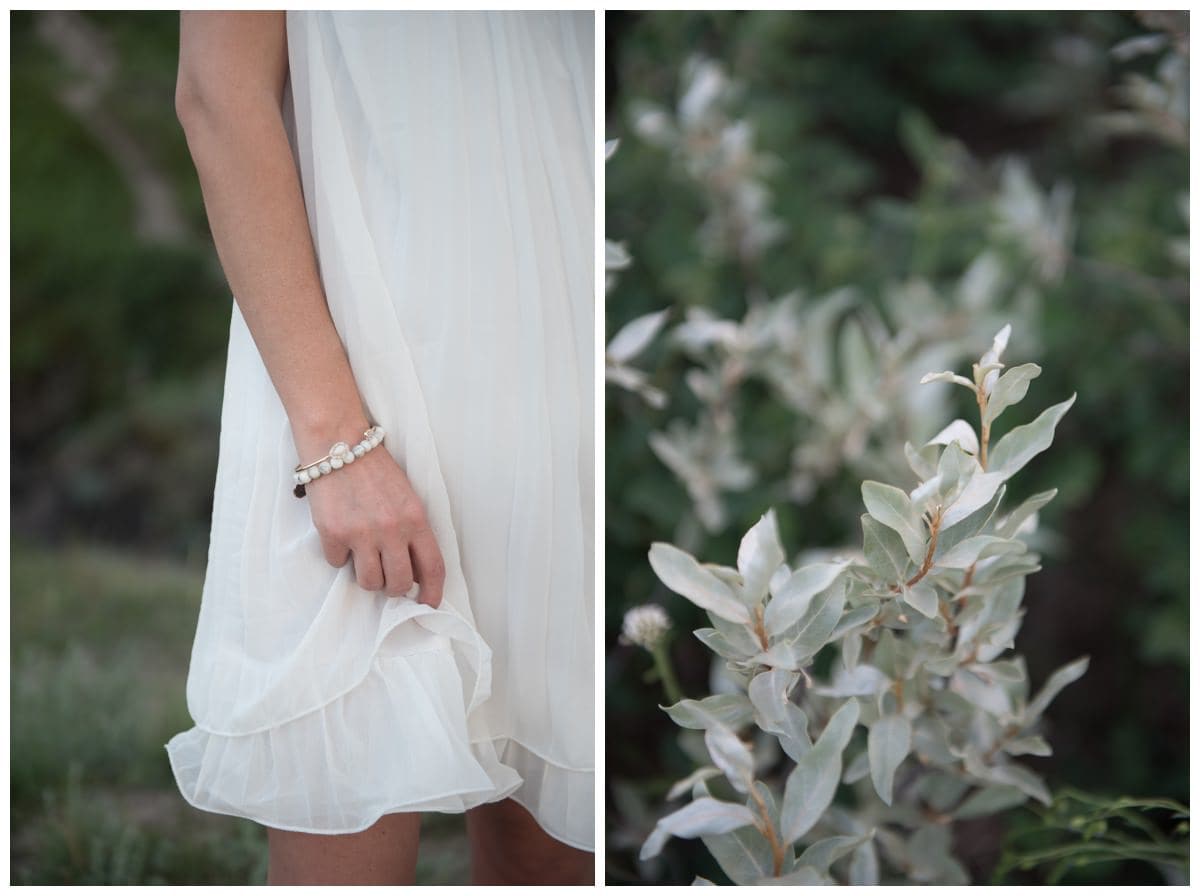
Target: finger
{"points": [[428, 567], [397, 568], [336, 552], [368, 569]]}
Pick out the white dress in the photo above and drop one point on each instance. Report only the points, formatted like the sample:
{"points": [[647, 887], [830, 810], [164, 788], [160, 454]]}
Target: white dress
{"points": [[447, 168]]}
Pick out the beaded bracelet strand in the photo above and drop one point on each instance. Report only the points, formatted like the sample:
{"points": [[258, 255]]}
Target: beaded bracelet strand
{"points": [[339, 455]]}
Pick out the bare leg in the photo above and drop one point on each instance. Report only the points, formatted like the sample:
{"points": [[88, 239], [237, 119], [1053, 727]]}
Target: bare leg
{"points": [[509, 847], [383, 854]]}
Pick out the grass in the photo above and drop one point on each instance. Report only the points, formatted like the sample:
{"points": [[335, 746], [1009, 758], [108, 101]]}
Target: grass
{"points": [[100, 647]]}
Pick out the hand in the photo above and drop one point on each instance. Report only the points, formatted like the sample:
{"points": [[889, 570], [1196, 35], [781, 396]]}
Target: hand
{"points": [[369, 509]]}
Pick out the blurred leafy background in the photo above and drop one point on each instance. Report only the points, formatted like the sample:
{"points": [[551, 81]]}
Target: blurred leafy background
{"points": [[890, 139], [120, 316]]}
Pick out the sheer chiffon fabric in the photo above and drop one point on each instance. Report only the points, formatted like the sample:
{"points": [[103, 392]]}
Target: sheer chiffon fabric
{"points": [[446, 164]]}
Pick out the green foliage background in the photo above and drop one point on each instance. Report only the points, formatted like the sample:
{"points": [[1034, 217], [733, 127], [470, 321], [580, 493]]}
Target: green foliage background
{"points": [[857, 108]]}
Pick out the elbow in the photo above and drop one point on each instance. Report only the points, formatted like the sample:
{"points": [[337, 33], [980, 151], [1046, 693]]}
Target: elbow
{"points": [[199, 104], [189, 101]]}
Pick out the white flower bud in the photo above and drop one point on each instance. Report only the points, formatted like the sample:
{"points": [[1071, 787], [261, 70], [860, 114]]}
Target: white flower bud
{"points": [[646, 626]]}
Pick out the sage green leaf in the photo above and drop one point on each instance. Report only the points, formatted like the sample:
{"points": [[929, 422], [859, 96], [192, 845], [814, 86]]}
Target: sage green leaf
{"points": [[857, 768], [947, 376], [852, 647], [1006, 773], [926, 495], [955, 467], [1009, 389], [1055, 683], [888, 743], [989, 696], [811, 784], [745, 854], [959, 431], [929, 858], [810, 633], [776, 714], [1005, 670], [860, 374], [683, 785], [1033, 745], [968, 551], [885, 551], [864, 866], [853, 618], [824, 853], [999, 344], [892, 507], [931, 741], [759, 555], [861, 681], [889, 657], [923, 598], [949, 536], [1025, 780], [735, 649], [802, 876], [1012, 523], [731, 756], [990, 800], [632, 338], [680, 572], [795, 597], [702, 816], [979, 490], [732, 710], [1024, 443], [923, 463], [940, 791]]}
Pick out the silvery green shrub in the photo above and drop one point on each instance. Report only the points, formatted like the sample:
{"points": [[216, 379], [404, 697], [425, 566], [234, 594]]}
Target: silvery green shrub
{"points": [[924, 710], [833, 362]]}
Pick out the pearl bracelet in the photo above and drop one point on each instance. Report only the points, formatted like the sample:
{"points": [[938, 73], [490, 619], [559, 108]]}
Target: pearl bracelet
{"points": [[339, 455]]}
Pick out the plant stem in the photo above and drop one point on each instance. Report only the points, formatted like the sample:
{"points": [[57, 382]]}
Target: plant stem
{"points": [[985, 428], [934, 525], [760, 627], [666, 672], [768, 830]]}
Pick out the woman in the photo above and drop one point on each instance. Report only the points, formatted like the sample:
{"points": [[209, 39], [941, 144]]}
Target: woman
{"points": [[402, 205]]}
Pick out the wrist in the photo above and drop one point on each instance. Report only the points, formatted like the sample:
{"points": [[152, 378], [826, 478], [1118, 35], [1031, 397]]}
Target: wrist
{"points": [[314, 434], [340, 454]]}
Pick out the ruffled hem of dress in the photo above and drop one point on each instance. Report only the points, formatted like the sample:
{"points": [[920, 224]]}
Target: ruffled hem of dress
{"points": [[396, 742], [560, 798]]}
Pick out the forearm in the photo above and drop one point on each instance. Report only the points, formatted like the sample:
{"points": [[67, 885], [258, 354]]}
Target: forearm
{"points": [[260, 228]]}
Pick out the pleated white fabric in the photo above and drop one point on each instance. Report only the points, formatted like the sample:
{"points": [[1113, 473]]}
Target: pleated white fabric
{"points": [[446, 163]]}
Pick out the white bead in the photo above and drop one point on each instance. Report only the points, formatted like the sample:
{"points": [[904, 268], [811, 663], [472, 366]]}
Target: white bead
{"points": [[303, 477], [338, 449], [360, 449], [313, 473], [335, 462], [325, 467], [348, 457]]}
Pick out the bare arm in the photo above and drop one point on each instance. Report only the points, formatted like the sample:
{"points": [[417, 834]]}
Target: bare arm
{"points": [[232, 69], [229, 94]]}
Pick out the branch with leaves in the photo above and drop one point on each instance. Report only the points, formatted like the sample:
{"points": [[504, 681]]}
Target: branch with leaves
{"points": [[918, 626]]}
